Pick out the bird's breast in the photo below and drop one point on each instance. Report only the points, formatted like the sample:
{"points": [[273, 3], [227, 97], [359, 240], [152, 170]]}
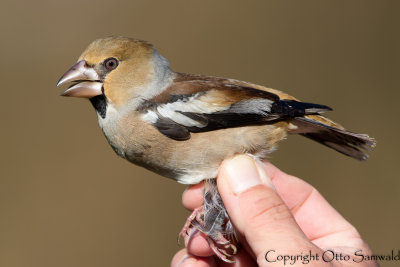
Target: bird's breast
{"points": [[113, 130]]}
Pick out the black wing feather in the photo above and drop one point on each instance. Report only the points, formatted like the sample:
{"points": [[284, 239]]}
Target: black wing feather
{"points": [[248, 112], [172, 129]]}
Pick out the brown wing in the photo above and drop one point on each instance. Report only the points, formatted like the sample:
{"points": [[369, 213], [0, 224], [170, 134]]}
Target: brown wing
{"points": [[192, 83], [195, 103]]}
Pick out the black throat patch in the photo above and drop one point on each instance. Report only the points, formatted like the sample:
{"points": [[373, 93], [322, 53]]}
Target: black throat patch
{"points": [[100, 105]]}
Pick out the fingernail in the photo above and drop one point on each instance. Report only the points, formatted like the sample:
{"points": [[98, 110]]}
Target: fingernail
{"points": [[242, 173]]}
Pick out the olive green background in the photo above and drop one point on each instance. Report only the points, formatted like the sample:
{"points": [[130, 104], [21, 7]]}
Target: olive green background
{"points": [[66, 199]]}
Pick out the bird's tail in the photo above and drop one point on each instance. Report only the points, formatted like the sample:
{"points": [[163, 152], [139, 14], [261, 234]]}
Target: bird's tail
{"points": [[330, 134]]}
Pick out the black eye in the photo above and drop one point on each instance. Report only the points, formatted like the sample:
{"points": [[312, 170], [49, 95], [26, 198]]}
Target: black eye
{"points": [[111, 63]]}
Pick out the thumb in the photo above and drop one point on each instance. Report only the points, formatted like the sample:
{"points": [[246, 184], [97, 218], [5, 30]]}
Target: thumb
{"points": [[257, 211]]}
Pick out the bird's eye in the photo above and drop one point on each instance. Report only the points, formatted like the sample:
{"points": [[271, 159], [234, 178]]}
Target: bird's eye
{"points": [[111, 63]]}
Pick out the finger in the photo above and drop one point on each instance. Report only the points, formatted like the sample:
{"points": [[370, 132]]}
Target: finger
{"points": [[192, 197], [183, 259], [292, 190], [242, 259], [316, 217], [198, 245], [256, 209]]}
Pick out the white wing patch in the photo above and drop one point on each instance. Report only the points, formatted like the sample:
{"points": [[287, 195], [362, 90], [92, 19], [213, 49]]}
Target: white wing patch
{"points": [[195, 104], [205, 104], [150, 116], [171, 113], [255, 106]]}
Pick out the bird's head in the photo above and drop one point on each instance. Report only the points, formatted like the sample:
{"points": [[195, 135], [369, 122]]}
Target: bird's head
{"points": [[118, 68]]}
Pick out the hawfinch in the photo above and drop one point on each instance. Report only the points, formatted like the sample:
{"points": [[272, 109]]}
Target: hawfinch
{"points": [[182, 126]]}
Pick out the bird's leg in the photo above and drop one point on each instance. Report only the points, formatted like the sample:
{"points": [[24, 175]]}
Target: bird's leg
{"points": [[213, 221]]}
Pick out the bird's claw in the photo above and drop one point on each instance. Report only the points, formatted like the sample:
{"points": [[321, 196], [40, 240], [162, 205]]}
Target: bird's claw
{"points": [[195, 216], [222, 253], [223, 248]]}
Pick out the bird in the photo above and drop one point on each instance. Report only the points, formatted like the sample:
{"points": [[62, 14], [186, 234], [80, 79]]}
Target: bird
{"points": [[182, 126]]}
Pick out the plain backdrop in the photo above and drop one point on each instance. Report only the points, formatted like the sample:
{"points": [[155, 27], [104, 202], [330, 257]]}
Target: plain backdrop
{"points": [[66, 199]]}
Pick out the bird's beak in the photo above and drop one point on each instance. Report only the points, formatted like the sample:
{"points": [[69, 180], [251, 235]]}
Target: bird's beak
{"points": [[86, 81]]}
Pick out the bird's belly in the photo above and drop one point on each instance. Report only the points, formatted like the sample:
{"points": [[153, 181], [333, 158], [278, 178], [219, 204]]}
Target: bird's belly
{"points": [[192, 160], [199, 157]]}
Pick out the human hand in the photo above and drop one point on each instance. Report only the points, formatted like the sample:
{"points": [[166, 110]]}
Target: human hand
{"points": [[274, 213]]}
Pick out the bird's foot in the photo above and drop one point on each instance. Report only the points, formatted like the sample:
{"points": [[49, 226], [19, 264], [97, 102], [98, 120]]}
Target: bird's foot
{"points": [[223, 248], [194, 217]]}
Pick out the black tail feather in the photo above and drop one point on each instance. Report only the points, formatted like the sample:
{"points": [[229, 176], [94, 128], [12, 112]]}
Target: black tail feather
{"points": [[348, 143]]}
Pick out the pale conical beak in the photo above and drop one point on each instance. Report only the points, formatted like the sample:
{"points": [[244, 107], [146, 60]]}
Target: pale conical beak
{"points": [[87, 82]]}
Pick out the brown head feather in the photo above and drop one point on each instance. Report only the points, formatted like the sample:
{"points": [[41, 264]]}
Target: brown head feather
{"points": [[134, 71]]}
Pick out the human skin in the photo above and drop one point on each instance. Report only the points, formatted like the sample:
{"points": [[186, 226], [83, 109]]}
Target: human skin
{"points": [[276, 212]]}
